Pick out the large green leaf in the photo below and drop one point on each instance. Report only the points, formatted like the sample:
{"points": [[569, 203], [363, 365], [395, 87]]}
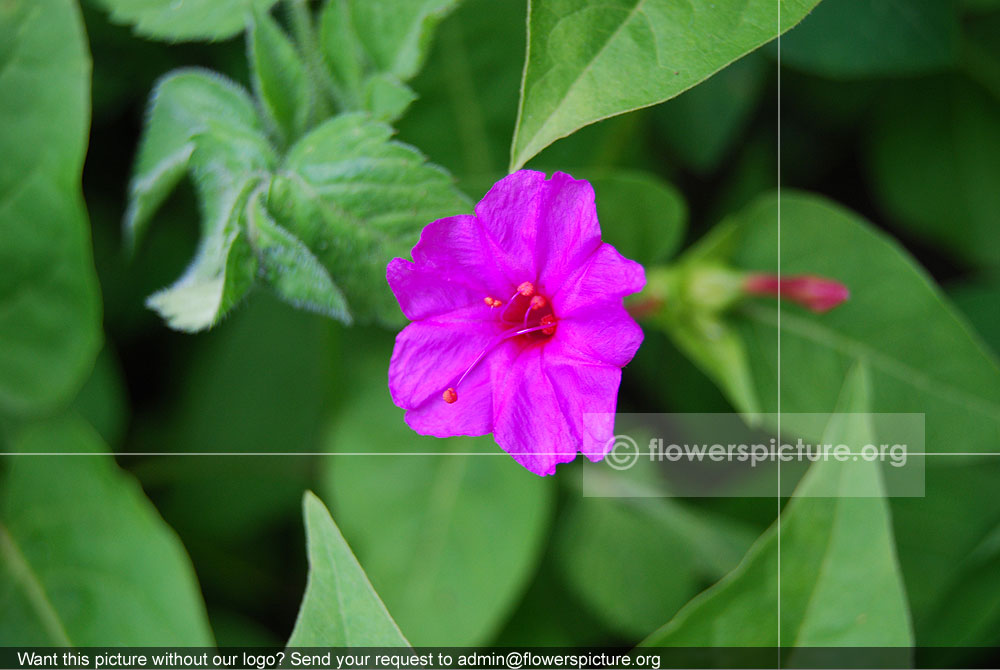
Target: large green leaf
{"points": [[340, 607], [85, 560], [172, 20], [933, 162], [50, 314], [896, 320], [591, 59], [836, 573], [357, 199], [452, 534], [874, 38]]}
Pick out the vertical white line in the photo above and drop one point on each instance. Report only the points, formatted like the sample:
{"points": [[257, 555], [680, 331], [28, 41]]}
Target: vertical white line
{"points": [[779, 333]]}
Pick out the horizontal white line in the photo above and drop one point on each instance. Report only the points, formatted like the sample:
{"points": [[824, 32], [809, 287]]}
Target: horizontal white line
{"points": [[642, 454]]}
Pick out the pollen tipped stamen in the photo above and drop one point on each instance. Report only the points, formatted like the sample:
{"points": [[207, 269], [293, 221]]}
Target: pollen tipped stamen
{"points": [[547, 326], [527, 289], [492, 302]]}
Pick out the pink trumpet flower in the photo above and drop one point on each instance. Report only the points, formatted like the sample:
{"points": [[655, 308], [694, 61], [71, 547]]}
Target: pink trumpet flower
{"points": [[518, 325]]}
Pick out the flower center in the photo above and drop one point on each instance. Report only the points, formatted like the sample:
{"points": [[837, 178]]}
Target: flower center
{"points": [[526, 314]]}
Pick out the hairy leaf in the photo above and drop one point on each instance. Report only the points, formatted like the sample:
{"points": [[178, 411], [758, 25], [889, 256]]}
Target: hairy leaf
{"points": [[171, 20]]}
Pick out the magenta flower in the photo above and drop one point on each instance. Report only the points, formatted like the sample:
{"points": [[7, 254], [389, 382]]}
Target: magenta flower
{"points": [[518, 323], [817, 294]]}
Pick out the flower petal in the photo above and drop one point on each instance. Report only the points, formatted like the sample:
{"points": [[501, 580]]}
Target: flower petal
{"points": [[509, 213], [544, 228], [605, 276], [588, 396], [539, 417], [428, 358], [454, 265], [568, 231]]}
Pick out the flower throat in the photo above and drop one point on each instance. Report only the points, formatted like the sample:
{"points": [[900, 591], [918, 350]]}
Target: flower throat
{"points": [[526, 314]]}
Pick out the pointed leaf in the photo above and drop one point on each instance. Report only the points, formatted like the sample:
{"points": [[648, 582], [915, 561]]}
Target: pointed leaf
{"points": [[840, 584], [591, 59], [431, 540], [340, 608]]}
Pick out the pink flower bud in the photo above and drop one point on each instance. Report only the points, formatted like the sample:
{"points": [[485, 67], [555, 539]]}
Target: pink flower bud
{"points": [[817, 294]]}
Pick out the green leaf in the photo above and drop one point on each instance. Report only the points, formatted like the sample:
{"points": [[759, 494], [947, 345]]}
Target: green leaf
{"points": [[204, 125], [171, 20], [187, 108], [463, 119], [85, 560], [340, 607], [702, 125], [933, 162], [946, 539], [279, 78], [429, 539], [643, 216], [222, 272], [601, 541], [839, 582], [389, 36], [591, 59], [896, 320], [290, 268], [977, 301], [386, 97], [50, 306], [357, 199], [372, 46], [874, 38], [694, 294]]}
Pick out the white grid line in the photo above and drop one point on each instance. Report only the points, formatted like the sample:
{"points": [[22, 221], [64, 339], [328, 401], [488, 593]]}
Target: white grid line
{"points": [[420, 453], [778, 664]]}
